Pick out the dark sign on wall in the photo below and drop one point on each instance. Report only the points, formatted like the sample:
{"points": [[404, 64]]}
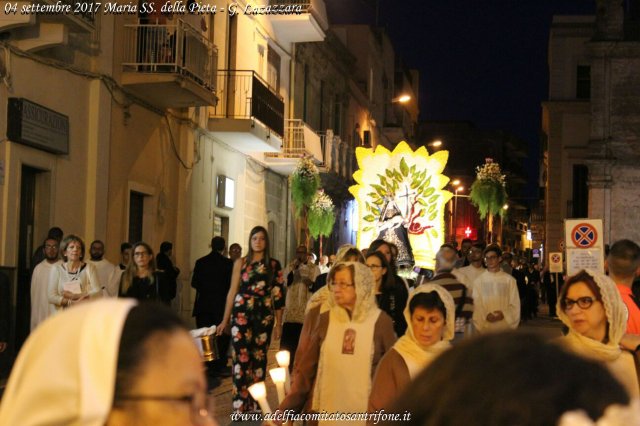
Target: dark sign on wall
{"points": [[34, 125]]}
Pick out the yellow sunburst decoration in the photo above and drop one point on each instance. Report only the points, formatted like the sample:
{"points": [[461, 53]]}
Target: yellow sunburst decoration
{"points": [[410, 182]]}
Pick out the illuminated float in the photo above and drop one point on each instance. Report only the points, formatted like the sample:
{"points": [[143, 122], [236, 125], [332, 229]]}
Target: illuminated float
{"points": [[400, 198]]}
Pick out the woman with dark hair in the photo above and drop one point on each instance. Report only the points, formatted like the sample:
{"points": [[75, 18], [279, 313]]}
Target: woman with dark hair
{"points": [[111, 365], [591, 306], [391, 291], [142, 281], [73, 280], [430, 314], [513, 378], [344, 345], [254, 306]]}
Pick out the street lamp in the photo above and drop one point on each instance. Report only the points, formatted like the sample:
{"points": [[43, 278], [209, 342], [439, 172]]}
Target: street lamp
{"points": [[455, 208], [402, 99], [437, 143], [453, 184]]}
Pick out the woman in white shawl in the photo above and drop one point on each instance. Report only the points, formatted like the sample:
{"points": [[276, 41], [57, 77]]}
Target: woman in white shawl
{"points": [[591, 306], [346, 341], [430, 314], [105, 363]]}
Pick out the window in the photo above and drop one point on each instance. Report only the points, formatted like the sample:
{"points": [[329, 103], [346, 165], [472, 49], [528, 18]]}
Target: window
{"points": [[580, 205], [583, 82], [273, 69], [136, 213], [337, 116]]}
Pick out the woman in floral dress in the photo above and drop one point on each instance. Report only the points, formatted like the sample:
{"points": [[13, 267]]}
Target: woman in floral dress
{"points": [[254, 302]]}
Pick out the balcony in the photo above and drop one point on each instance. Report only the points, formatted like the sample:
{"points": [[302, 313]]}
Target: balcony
{"points": [[300, 140], [77, 16], [294, 27], [336, 171], [339, 157], [169, 66], [249, 115]]}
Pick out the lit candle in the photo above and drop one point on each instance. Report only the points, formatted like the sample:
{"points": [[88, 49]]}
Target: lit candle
{"points": [[278, 376], [283, 358], [258, 392]]}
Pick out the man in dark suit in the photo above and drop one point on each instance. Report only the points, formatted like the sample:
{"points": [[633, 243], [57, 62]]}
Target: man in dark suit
{"points": [[212, 279]]}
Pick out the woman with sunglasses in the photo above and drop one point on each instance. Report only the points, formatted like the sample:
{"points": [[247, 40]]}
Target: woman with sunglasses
{"points": [[334, 367], [591, 306]]}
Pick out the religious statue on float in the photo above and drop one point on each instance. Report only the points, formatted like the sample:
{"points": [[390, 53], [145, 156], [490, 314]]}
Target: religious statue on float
{"points": [[401, 199], [392, 227]]}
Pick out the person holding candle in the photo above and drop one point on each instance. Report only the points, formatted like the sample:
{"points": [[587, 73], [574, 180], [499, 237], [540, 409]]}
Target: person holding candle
{"points": [[591, 306], [430, 314], [347, 340], [254, 306]]}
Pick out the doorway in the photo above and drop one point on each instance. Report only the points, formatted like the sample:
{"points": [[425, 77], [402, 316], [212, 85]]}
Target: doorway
{"points": [[26, 248]]}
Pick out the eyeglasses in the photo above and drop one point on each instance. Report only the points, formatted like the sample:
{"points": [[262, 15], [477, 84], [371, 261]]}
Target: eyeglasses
{"points": [[583, 302], [341, 285], [141, 253], [493, 256], [201, 404], [374, 266]]}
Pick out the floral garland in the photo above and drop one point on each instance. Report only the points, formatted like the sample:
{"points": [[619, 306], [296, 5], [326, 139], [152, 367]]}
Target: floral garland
{"points": [[488, 192], [490, 171], [321, 215], [305, 181]]}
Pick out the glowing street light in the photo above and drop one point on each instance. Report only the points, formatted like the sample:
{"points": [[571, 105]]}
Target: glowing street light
{"points": [[403, 99], [437, 143]]}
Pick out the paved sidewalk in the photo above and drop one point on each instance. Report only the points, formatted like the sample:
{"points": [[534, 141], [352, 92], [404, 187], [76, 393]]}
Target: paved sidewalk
{"points": [[222, 393]]}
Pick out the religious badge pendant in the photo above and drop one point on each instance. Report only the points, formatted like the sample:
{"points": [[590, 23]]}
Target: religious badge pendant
{"points": [[349, 341]]}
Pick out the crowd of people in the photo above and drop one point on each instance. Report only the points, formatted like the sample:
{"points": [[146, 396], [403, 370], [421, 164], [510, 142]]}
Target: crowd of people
{"points": [[433, 345]]}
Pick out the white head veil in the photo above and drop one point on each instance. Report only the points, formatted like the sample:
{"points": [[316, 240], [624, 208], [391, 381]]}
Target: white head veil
{"points": [[364, 285], [616, 312], [65, 373], [416, 356]]}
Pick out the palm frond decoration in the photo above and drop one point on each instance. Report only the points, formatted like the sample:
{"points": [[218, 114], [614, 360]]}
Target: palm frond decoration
{"points": [[488, 192], [321, 216], [305, 181]]}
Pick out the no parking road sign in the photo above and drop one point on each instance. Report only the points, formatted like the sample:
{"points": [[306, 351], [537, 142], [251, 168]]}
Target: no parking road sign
{"points": [[583, 240], [555, 262], [584, 235]]}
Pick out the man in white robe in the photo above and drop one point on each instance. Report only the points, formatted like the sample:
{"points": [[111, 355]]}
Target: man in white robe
{"points": [[496, 299], [105, 269], [468, 274], [41, 309]]}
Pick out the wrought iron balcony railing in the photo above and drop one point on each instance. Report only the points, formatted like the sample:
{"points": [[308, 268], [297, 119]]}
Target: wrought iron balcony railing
{"points": [[242, 94], [170, 48]]}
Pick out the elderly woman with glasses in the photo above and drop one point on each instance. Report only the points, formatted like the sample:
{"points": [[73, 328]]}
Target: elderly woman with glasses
{"points": [[111, 358], [591, 306], [333, 372]]}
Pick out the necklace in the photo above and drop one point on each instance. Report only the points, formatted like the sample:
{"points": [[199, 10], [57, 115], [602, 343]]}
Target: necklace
{"points": [[73, 275]]}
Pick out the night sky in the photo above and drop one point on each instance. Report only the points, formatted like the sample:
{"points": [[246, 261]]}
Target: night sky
{"points": [[479, 60]]}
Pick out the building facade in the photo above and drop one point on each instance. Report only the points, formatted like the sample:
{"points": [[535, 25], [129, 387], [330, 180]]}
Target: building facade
{"points": [[591, 123], [130, 127]]}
